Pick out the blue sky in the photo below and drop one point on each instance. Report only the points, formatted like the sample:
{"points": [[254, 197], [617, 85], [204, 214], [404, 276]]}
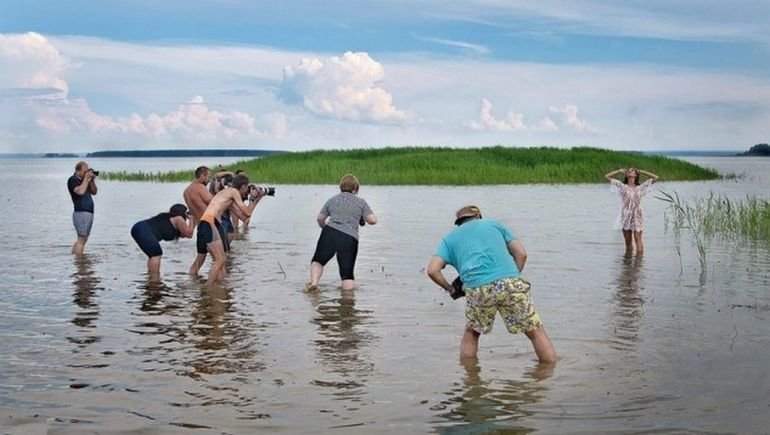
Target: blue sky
{"points": [[294, 75]]}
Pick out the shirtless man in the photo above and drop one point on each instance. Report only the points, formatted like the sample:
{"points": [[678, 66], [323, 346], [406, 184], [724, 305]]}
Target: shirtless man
{"points": [[209, 228], [198, 197]]}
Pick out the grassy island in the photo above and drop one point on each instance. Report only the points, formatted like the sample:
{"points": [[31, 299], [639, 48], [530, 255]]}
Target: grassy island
{"points": [[445, 166]]}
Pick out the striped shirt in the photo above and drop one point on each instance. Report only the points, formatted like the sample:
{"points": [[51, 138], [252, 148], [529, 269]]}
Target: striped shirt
{"points": [[345, 210]]}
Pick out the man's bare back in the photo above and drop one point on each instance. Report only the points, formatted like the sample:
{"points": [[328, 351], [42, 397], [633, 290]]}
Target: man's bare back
{"points": [[197, 197]]}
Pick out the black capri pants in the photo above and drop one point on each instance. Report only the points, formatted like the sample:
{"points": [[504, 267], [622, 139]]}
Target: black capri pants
{"points": [[345, 246]]}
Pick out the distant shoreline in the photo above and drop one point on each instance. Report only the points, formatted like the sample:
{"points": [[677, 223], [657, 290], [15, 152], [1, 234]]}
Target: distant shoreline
{"points": [[260, 153]]}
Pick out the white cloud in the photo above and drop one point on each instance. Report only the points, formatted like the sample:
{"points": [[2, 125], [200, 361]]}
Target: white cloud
{"points": [[569, 115], [193, 121], [487, 122], [30, 62], [342, 88]]}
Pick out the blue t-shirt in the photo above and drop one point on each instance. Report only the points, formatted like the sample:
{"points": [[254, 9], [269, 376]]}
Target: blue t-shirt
{"points": [[82, 202], [478, 249]]}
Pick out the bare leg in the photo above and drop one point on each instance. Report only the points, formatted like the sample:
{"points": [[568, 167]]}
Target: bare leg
{"points": [[348, 284], [217, 251], [153, 267], [469, 345], [80, 245], [316, 270], [197, 264], [542, 344], [639, 242], [628, 237]]}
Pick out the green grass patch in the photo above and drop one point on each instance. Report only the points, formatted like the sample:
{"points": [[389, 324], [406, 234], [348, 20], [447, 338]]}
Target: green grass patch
{"points": [[445, 166]]}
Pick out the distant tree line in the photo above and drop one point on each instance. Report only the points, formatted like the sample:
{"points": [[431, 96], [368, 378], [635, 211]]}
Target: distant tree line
{"points": [[184, 153], [59, 155], [760, 149]]}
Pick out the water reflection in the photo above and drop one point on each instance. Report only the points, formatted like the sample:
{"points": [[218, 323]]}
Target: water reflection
{"points": [[628, 304], [85, 285], [481, 405], [342, 344], [226, 339]]}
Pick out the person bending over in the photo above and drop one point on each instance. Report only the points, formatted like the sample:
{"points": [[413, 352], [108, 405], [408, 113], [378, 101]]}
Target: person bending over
{"points": [[339, 219], [148, 234], [489, 259], [211, 235]]}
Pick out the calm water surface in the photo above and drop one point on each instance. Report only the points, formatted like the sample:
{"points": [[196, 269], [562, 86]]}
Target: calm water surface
{"points": [[645, 344]]}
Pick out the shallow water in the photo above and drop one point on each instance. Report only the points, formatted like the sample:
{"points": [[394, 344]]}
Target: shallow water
{"points": [[645, 344]]}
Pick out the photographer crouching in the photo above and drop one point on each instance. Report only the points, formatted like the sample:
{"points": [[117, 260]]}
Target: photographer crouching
{"points": [[82, 185]]}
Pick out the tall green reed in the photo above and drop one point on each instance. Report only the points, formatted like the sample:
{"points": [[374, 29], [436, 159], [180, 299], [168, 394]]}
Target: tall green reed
{"points": [[716, 215]]}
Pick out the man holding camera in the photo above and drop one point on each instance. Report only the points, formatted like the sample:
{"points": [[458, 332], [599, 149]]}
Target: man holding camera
{"points": [[82, 185], [489, 259], [211, 238]]}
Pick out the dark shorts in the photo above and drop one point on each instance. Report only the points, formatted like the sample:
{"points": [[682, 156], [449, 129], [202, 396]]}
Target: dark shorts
{"points": [[207, 235], [333, 242], [143, 236], [226, 226]]}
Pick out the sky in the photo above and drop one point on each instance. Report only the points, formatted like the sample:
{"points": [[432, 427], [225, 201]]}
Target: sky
{"points": [[83, 75]]}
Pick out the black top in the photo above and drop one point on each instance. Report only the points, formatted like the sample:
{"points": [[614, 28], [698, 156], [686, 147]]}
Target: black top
{"points": [[162, 227], [82, 202]]}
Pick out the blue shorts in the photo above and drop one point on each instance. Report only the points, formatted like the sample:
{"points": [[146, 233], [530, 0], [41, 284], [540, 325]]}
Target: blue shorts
{"points": [[144, 237]]}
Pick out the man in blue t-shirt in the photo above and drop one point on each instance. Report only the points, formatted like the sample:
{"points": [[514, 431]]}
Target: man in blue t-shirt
{"points": [[489, 259], [82, 185]]}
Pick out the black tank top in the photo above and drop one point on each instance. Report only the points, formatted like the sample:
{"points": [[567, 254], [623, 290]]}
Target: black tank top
{"points": [[162, 227]]}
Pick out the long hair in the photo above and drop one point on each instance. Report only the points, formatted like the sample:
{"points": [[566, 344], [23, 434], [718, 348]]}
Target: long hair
{"points": [[636, 179]]}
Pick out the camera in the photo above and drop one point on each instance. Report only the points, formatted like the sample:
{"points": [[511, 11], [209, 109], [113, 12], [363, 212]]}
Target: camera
{"points": [[96, 173], [457, 289], [265, 190], [226, 180]]}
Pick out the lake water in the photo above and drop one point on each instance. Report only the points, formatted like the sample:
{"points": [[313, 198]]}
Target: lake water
{"points": [[652, 344]]}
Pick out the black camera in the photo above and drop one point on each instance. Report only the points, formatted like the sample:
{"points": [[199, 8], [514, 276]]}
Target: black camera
{"points": [[226, 180], [457, 289], [96, 173], [265, 190]]}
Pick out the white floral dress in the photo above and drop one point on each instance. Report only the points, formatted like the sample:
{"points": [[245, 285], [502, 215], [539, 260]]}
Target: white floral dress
{"points": [[630, 216]]}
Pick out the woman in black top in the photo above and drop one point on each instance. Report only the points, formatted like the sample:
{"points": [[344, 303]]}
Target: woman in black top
{"points": [[164, 226]]}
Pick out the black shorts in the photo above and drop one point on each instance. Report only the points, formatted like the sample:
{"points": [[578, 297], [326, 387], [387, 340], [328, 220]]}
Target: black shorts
{"points": [[333, 242], [206, 236], [144, 237]]}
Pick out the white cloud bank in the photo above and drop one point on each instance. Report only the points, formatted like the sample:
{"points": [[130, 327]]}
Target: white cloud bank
{"points": [[486, 121], [107, 92], [29, 62], [344, 88], [33, 70], [193, 121]]}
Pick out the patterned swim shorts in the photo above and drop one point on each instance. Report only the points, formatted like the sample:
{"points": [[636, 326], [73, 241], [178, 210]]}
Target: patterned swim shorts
{"points": [[509, 296]]}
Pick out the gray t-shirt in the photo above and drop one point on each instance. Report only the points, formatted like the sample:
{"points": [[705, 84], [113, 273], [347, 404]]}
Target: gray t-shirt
{"points": [[345, 210]]}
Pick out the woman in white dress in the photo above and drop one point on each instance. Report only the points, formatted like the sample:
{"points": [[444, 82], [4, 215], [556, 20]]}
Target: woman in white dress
{"points": [[630, 219]]}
